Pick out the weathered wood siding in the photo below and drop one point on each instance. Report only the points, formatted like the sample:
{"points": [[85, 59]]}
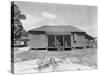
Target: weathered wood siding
{"points": [[38, 41], [78, 40]]}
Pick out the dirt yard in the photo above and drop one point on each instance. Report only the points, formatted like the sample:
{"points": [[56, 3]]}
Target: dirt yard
{"points": [[86, 57]]}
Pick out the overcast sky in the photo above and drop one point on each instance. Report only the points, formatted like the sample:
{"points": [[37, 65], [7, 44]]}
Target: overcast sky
{"points": [[38, 14]]}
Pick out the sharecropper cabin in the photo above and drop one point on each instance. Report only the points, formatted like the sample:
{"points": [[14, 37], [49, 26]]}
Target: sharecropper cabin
{"points": [[57, 38]]}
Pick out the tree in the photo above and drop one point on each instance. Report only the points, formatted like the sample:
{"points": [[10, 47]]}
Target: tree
{"points": [[17, 29]]}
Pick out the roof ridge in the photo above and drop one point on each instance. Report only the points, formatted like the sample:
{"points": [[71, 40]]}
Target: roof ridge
{"points": [[69, 28]]}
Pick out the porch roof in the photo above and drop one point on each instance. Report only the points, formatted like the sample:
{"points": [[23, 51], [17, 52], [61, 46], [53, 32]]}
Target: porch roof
{"points": [[89, 37]]}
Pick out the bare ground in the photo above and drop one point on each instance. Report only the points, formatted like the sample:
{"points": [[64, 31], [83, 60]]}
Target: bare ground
{"points": [[86, 57]]}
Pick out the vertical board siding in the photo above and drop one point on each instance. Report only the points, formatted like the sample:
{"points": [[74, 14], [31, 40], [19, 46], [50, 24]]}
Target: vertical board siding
{"points": [[37, 41]]}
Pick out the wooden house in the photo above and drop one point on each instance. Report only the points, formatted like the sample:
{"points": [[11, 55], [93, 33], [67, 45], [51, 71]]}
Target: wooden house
{"points": [[57, 38]]}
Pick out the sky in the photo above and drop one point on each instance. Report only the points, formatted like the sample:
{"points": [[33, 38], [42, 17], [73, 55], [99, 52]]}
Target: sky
{"points": [[40, 14]]}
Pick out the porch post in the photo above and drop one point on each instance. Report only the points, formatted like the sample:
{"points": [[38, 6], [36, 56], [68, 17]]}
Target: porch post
{"points": [[63, 43]]}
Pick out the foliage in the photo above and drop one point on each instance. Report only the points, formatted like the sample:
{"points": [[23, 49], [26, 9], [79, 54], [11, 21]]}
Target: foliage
{"points": [[17, 29]]}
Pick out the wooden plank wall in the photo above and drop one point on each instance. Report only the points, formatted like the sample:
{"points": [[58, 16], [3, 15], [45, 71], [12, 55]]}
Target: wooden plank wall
{"points": [[38, 41], [78, 40]]}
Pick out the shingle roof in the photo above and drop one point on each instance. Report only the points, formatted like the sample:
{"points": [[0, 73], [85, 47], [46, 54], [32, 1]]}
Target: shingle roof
{"points": [[58, 29]]}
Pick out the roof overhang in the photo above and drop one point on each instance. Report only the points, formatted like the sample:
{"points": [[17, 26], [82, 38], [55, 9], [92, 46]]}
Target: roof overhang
{"points": [[36, 32], [89, 37]]}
